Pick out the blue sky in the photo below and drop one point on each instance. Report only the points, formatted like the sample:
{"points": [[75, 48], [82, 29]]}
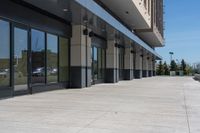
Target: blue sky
{"points": [[182, 30]]}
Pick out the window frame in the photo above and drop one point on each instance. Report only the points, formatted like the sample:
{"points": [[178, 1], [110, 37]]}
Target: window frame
{"points": [[57, 36], [29, 27], [10, 55]]}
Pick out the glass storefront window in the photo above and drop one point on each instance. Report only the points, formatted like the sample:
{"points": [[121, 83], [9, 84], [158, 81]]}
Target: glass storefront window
{"points": [[4, 53], [63, 59], [52, 58], [49, 61], [38, 56], [95, 63], [103, 62], [20, 57], [100, 63], [39, 59]]}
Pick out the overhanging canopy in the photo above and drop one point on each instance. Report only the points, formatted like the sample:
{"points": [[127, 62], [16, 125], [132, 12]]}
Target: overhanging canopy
{"points": [[104, 15]]}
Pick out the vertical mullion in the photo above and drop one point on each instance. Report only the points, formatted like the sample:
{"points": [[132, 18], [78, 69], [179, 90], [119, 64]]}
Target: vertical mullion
{"points": [[11, 57], [97, 63], [69, 61], [58, 57], [101, 63], [45, 52], [29, 61], [92, 64]]}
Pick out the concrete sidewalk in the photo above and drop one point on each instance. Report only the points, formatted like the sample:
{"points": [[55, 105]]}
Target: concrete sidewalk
{"points": [[151, 105]]}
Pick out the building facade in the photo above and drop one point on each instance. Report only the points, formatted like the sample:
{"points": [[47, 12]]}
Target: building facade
{"points": [[53, 44]]}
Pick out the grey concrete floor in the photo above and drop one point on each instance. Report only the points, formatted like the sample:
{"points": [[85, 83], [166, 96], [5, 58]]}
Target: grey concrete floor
{"points": [[151, 105]]}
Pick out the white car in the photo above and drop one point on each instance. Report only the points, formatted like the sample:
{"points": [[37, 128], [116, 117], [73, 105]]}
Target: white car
{"points": [[4, 73]]}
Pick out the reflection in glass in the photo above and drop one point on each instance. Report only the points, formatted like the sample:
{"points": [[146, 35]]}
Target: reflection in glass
{"points": [[38, 56], [63, 59], [103, 63], [52, 58], [95, 64], [98, 63], [4, 53], [20, 58], [121, 62], [92, 65]]}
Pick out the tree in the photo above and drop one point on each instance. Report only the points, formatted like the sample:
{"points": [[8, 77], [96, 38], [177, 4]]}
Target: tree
{"points": [[160, 70], [166, 69], [183, 67], [173, 66], [189, 70]]}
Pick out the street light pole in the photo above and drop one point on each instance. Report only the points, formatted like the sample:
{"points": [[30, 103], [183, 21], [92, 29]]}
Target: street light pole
{"points": [[171, 54]]}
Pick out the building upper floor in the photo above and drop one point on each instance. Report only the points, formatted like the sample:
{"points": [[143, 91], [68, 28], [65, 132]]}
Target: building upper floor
{"points": [[91, 14], [144, 17]]}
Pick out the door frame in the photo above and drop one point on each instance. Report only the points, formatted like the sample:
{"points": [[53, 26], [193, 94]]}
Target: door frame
{"points": [[7, 91], [92, 66], [97, 81], [23, 27]]}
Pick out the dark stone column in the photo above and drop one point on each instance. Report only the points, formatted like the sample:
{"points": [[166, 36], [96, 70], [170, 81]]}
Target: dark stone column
{"points": [[138, 65], [78, 75], [111, 75], [150, 73], [138, 74], [144, 73], [145, 65], [154, 73], [128, 74]]}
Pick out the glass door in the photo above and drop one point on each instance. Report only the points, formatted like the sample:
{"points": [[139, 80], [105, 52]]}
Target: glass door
{"points": [[94, 64], [4, 54], [20, 59], [98, 64]]}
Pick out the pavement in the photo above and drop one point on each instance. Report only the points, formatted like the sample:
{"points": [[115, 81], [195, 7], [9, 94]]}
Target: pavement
{"points": [[149, 105]]}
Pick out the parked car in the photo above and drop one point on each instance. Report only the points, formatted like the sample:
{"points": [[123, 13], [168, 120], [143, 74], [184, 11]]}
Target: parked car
{"points": [[38, 72], [54, 71], [4, 73]]}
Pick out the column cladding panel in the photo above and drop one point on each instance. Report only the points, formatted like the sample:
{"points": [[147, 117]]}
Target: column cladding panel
{"points": [[80, 75], [150, 67], [128, 72], [138, 65], [154, 67], [145, 65], [112, 75]]}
